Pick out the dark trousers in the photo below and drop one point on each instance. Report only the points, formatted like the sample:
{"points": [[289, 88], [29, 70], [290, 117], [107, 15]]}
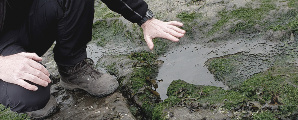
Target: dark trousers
{"points": [[34, 29]]}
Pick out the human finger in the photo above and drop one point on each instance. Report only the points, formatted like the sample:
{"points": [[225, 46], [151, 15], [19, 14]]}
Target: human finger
{"points": [[39, 74], [176, 23], [173, 32], [149, 42], [39, 67], [34, 79], [26, 85], [169, 37], [32, 56], [177, 29]]}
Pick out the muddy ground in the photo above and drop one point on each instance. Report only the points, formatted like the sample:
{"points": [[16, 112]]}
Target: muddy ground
{"points": [[238, 60]]}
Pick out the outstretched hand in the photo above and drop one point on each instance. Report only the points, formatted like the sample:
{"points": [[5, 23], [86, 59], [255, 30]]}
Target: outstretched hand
{"points": [[155, 28], [20, 67]]}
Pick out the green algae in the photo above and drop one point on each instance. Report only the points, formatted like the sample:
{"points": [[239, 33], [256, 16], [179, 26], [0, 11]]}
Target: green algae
{"points": [[271, 85], [104, 31], [143, 57], [190, 22], [292, 3], [253, 20], [6, 114], [142, 73], [264, 115], [205, 94], [187, 17], [221, 67], [290, 16], [108, 27], [136, 86], [139, 86], [224, 18], [264, 88], [274, 89], [249, 17], [194, 97], [226, 68], [161, 46], [112, 69], [103, 12], [234, 69]]}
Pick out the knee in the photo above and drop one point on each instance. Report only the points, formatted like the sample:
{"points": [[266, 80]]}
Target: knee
{"points": [[28, 105], [22, 100]]}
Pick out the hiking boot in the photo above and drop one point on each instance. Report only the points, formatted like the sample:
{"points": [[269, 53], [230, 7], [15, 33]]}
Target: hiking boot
{"points": [[50, 108], [84, 76]]}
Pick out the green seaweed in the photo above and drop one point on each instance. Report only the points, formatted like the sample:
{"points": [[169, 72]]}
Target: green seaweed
{"points": [[291, 16], [161, 46], [262, 87], [103, 12], [264, 115], [221, 67], [112, 69], [205, 94], [292, 3], [190, 22], [187, 17], [247, 18], [139, 85], [7, 114], [224, 18], [104, 31]]}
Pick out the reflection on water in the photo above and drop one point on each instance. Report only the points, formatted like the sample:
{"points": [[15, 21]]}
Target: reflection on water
{"points": [[187, 62]]}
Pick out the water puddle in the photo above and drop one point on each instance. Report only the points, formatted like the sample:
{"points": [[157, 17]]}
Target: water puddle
{"points": [[188, 62]]}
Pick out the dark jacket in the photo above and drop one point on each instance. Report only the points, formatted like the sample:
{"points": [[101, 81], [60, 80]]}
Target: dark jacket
{"points": [[132, 10], [2, 13]]}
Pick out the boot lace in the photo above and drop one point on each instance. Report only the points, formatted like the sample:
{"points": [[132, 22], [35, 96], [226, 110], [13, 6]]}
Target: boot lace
{"points": [[90, 64]]}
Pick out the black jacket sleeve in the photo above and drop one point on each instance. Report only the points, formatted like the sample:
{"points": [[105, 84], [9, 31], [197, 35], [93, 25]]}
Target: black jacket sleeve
{"points": [[2, 13], [132, 10]]}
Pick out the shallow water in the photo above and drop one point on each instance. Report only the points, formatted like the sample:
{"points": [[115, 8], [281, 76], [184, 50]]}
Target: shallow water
{"points": [[187, 62]]}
